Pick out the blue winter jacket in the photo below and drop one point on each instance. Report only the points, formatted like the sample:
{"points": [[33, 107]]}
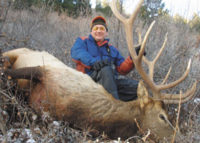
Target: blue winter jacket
{"points": [[85, 52]]}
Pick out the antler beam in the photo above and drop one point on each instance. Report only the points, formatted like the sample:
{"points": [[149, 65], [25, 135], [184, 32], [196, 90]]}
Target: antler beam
{"points": [[137, 59]]}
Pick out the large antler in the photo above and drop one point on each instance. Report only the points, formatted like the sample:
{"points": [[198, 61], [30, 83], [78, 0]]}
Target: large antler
{"points": [[137, 59]]}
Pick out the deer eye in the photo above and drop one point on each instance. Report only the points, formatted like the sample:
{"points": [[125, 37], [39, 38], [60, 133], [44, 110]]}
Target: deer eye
{"points": [[162, 117]]}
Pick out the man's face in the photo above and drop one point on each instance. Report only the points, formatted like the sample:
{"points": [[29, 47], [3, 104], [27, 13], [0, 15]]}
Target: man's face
{"points": [[99, 33]]}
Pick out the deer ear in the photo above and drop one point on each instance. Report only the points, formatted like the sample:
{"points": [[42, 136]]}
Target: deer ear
{"points": [[142, 93]]}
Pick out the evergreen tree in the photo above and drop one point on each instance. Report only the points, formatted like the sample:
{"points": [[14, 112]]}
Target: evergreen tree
{"points": [[23, 4], [151, 9], [105, 3], [83, 7], [67, 6], [72, 8], [179, 19], [98, 5], [38, 3], [103, 7], [75, 8], [195, 22]]}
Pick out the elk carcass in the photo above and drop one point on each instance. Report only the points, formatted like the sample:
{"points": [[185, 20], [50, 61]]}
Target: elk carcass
{"points": [[74, 97]]}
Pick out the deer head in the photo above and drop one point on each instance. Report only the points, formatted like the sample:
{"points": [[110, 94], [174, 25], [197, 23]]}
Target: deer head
{"points": [[137, 59]]}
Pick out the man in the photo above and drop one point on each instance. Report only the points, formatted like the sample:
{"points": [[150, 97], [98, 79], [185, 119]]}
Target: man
{"points": [[102, 61]]}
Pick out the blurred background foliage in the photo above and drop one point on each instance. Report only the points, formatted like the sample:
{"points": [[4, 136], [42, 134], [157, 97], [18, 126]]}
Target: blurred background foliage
{"points": [[150, 10], [53, 26]]}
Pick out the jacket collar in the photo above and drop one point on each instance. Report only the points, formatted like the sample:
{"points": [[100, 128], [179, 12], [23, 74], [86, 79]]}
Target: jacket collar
{"points": [[104, 43]]}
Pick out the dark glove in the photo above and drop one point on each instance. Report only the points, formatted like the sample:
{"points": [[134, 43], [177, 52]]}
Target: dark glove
{"points": [[106, 62], [100, 64], [137, 50]]}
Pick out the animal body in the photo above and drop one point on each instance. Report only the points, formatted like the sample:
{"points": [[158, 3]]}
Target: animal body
{"points": [[74, 97]]}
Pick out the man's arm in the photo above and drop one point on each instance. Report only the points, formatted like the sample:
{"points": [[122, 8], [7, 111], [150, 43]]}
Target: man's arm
{"points": [[126, 66], [80, 55]]}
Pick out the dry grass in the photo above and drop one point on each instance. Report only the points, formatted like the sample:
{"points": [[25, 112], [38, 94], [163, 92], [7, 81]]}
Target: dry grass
{"points": [[39, 30]]}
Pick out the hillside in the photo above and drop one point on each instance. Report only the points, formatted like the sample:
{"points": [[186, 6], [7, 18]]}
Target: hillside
{"points": [[40, 30]]}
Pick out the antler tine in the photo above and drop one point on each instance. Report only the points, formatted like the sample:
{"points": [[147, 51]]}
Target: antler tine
{"points": [[138, 64], [161, 50], [174, 98], [144, 41], [116, 12], [151, 64], [139, 37], [128, 24], [166, 77], [162, 87]]}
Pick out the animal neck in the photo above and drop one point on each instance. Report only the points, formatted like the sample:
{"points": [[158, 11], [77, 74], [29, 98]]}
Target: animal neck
{"points": [[115, 116], [110, 108]]}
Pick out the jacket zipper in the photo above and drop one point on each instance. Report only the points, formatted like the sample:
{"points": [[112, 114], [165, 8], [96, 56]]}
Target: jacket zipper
{"points": [[98, 47]]}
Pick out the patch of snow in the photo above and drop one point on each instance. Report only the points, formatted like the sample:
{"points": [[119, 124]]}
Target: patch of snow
{"points": [[34, 117], [9, 134], [197, 100], [28, 132], [30, 141], [56, 123]]}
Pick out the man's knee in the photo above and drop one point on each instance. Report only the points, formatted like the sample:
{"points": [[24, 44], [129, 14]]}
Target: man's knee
{"points": [[106, 69], [127, 89], [106, 72], [133, 83]]}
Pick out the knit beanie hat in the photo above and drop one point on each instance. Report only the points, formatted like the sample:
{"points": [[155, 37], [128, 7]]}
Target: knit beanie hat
{"points": [[99, 20]]}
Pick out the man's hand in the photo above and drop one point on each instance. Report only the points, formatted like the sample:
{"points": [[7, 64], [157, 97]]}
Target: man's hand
{"points": [[100, 64], [137, 50]]}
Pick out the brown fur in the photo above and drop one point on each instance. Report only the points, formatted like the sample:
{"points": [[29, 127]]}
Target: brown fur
{"points": [[74, 97]]}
